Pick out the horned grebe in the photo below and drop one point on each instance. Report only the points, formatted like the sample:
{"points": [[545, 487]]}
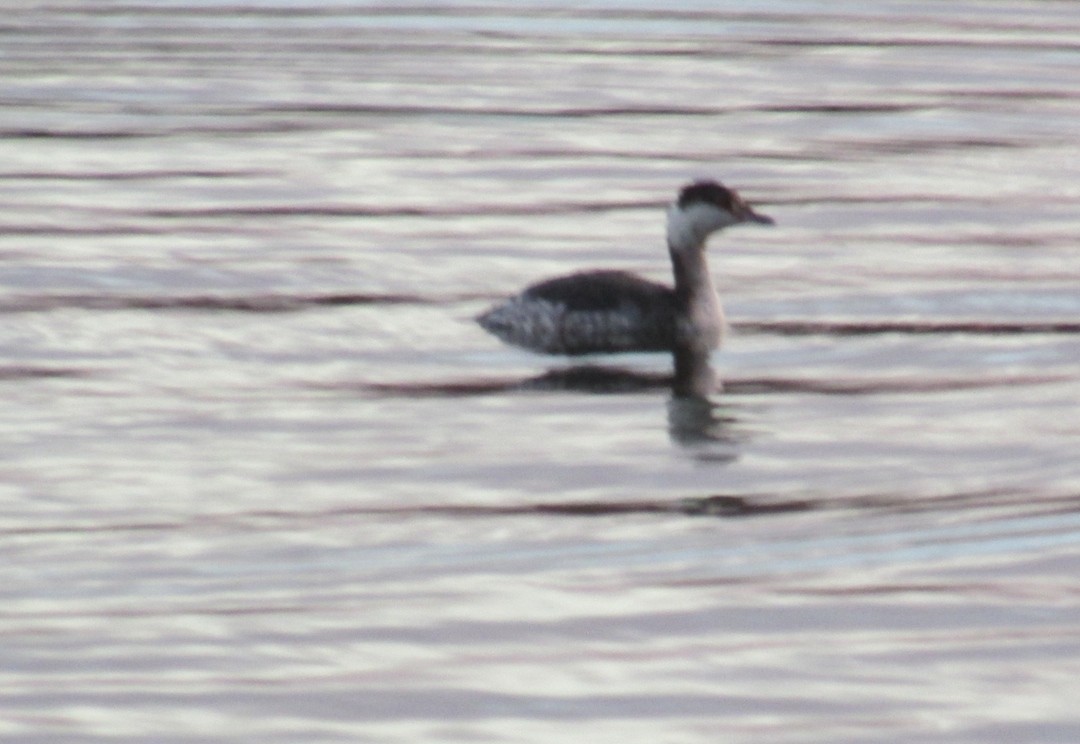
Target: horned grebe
{"points": [[612, 311]]}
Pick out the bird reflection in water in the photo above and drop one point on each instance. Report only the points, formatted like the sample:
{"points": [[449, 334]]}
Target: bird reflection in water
{"points": [[694, 416]]}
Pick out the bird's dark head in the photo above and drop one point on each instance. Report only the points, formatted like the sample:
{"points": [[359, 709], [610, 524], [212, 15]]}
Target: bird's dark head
{"points": [[702, 208], [717, 196]]}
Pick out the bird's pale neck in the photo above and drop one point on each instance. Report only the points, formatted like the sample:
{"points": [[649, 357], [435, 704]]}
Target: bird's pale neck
{"points": [[687, 231], [693, 280], [701, 315]]}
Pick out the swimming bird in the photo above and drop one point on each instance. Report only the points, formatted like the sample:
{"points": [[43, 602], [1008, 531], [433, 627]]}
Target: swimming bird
{"points": [[616, 311]]}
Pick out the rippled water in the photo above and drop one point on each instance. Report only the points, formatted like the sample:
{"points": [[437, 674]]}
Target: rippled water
{"points": [[264, 479]]}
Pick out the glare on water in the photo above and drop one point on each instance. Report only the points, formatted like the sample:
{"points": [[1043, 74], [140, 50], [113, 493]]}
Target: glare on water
{"points": [[265, 479]]}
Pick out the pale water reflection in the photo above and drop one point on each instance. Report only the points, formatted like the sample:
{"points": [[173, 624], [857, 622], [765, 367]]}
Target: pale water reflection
{"points": [[265, 480]]}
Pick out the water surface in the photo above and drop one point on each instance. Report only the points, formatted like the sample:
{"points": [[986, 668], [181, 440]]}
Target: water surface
{"points": [[265, 480]]}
